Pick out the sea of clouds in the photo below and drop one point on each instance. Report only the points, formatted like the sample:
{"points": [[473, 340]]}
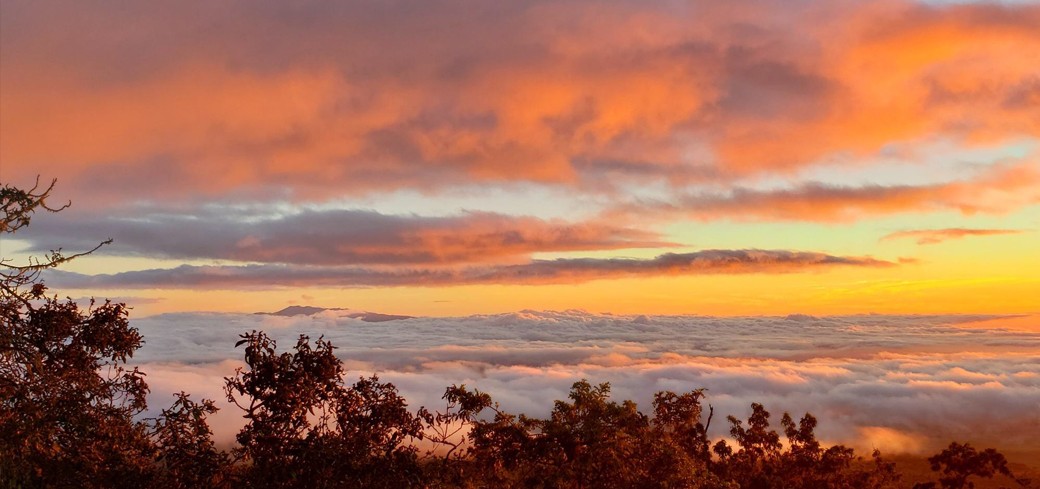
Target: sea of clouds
{"points": [[899, 383]]}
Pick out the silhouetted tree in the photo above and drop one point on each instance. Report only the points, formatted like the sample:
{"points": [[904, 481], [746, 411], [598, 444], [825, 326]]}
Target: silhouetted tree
{"points": [[587, 442], [505, 452], [592, 441], [806, 464], [306, 428], [447, 462], [186, 454], [679, 451], [755, 462], [761, 461], [597, 442], [70, 408], [959, 462], [67, 401]]}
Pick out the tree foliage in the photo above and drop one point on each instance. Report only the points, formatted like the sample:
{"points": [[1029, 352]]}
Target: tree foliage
{"points": [[959, 462], [307, 428], [592, 441], [67, 400], [186, 455], [70, 407]]}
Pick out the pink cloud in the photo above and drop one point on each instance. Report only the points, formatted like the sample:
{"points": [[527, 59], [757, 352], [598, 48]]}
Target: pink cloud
{"points": [[999, 189], [934, 236], [313, 101]]}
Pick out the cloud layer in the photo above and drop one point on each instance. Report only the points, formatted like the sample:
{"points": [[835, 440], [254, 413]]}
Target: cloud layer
{"points": [[560, 270], [313, 100], [332, 236], [250, 136], [901, 383], [934, 236], [999, 189]]}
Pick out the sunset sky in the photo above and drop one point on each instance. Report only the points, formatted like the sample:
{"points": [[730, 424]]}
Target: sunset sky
{"points": [[828, 206], [448, 158]]}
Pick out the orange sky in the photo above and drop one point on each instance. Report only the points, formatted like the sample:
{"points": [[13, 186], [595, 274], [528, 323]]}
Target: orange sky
{"points": [[447, 158]]}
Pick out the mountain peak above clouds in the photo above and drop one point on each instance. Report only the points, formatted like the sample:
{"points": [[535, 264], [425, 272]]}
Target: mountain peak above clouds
{"points": [[370, 317]]}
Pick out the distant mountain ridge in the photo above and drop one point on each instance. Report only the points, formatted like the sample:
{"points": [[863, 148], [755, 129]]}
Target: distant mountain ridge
{"points": [[369, 317]]}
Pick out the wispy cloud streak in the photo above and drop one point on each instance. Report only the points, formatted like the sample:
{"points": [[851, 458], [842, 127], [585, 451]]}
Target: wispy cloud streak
{"points": [[998, 189], [935, 236], [562, 270], [333, 237]]}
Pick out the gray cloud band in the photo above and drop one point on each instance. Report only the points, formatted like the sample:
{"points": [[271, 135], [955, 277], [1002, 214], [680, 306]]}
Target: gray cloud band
{"points": [[562, 270], [1015, 183], [326, 237]]}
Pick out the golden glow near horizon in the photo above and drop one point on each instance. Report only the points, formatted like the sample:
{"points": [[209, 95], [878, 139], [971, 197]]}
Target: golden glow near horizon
{"points": [[955, 284], [650, 158]]}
